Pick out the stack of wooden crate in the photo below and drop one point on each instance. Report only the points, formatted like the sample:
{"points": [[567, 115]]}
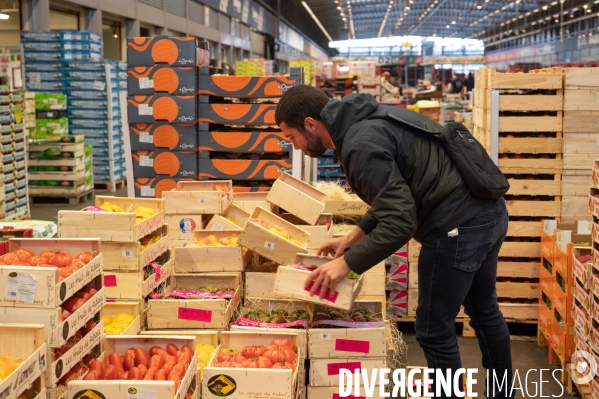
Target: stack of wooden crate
{"points": [[581, 146]]}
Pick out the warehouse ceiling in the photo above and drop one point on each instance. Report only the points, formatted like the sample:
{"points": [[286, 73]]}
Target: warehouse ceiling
{"points": [[363, 19]]}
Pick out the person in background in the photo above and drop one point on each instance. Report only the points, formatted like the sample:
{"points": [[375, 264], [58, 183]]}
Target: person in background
{"points": [[469, 82], [456, 85], [386, 86]]}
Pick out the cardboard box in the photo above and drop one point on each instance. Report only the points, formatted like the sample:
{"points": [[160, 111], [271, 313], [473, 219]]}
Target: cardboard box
{"points": [[237, 113], [247, 86], [582, 320], [172, 51], [165, 162], [152, 187], [161, 107], [546, 278], [562, 339], [563, 299], [242, 141], [242, 169], [149, 137], [161, 78], [545, 316], [412, 302]]}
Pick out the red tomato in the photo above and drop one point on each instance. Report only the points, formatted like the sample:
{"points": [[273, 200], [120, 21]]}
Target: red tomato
{"points": [[76, 264], [178, 369], [88, 359], [142, 370], [23, 254], [141, 357], [185, 359], [124, 375], [98, 366], [110, 373], [171, 349], [186, 348], [284, 342], [63, 349], [155, 350], [47, 254], [161, 375], [164, 356], [134, 374], [237, 359], [85, 257], [65, 314], [90, 290], [9, 259], [116, 362], [38, 260], [156, 361], [61, 259], [63, 272], [129, 359], [106, 361], [72, 304], [91, 375], [280, 354], [284, 365], [151, 374], [252, 351], [168, 367], [69, 376]]}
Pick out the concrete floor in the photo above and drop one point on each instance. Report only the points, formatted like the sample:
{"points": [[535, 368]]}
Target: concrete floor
{"points": [[526, 355]]}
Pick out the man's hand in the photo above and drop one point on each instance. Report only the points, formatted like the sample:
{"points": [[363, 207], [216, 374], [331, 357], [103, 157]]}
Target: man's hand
{"points": [[327, 276], [334, 247]]}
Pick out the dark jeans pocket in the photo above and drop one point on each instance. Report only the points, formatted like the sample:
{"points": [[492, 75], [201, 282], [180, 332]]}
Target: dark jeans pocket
{"points": [[473, 245]]}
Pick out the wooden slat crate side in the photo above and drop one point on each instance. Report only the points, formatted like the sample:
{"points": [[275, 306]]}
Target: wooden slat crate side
{"points": [[523, 229], [481, 118], [581, 78], [534, 208], [524, 81], [576, 185], [579, 161], [530, 145], [517, 290], [518, 269], [581, 121], [575, 207], [519, 311], [582, 100], [525, 102], [530, 166], [511, 249], [481, 78], [582, 143], [530, 123]]}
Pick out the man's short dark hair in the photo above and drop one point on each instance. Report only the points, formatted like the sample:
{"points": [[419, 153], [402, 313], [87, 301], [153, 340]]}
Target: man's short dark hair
{"points": [[298, 103]]}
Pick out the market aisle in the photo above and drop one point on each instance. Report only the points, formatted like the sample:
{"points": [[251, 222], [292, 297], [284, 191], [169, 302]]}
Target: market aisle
{"points": [[526, 356]]}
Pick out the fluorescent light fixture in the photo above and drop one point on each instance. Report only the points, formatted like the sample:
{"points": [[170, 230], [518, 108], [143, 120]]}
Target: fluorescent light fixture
{"points": [[317, 21], [4, 16]]}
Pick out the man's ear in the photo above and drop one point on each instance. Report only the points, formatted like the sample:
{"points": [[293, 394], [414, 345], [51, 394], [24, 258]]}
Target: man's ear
{"points": [[310, 124]]}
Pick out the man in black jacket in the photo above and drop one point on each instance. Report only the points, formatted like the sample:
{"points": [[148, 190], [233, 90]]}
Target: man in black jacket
{"points": [[415, 190]]}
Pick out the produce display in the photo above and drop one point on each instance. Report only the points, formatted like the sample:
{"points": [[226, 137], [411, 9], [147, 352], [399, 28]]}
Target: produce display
{"points": [[7, 366], [141, 212], [207, 292], [118, 324], [280, 354], [280, 231], [213, 241], [204, 353], [71, 342], [72, 304], [147, 241], [152, 268], [275, 318], [66, 264], [359, 317]]}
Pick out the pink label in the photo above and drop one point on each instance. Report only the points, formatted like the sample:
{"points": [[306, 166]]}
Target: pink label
{"points": [[195, 314], [336, 396], [327, 295], [110, 300], [110, 280], [351, 345], [334, 368], [156, 267]]}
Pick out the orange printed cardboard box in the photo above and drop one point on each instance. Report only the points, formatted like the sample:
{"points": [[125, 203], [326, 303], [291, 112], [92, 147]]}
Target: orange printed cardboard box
{"points": [[161, 78], [246, 114], [173, 51], [244, 141], [161, 107], [150, 136], [165, 162], [152, 187], [545, 318], [241, 169], [562, 337], [246, 86]]}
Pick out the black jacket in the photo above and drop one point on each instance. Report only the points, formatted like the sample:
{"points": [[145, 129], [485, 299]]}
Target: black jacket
{"points": [[411, 183]]}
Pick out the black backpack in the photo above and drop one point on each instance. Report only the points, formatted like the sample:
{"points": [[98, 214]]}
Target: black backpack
{"points": [[481, 175]]}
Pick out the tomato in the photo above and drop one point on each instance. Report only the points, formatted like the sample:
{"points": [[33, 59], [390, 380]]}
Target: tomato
{"points": [[151, 374], [23, 254], [83, 295], [257, 363], [284, 365], [90, 290], [47, 254], [280, 354], [106, 361], [225, 364], [237, 359], [185, 359], [61, 259], [97, 366], [155, 361], [9, 258], [178, 369], [163, 355], [252, 351], [284, 342], [168, 367], [116, 362], [171, 349], [155, 350], [92, 375], [38, 260], [76, 264], [187, 349], [110, 373], [69, 376], [142, 369], [63, 349], [226, 354], [129, 359], [85, 257], [178, 355], [161, 375], [63, 273], [65, 314], [88, 359], [134, 374], [72, 304], [141, 357], [124, 375]]}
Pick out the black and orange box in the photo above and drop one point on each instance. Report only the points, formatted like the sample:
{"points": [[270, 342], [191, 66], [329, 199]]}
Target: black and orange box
{"points": [[171, 51], [161, 107], [161, 78], [151, 136], [152, 187], [243, 141], [242, 114], [247, 86], [165, 162], [242, 169]]}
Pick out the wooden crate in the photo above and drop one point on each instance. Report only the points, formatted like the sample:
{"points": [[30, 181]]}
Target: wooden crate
{"points": [[524, 145], [195, 313], [200, 336], [414, 248], [533, 208], [121, 389], [111, 226], [374, 282], [519, 311], [575, 207], [297, 197], [319, 234], [58, 367], [525, 81], [259, 285], [518, 269], [576, 185], [128, 256], [131, 285], [511, 249], [270, 245], [530, 166], [333, 392], [220, 222], [581, 121], [311, 259], [36, 390], [195, 259], [250, 201], [582, 78], [530, 123], [353, 207], [517, 290], [581, 143], [195, 202], [205, 185], [49, 291], [352, 343], [325, 372], [262, 383], [133, 308], [181, 227], [582, 100], [579, 161], [25, 343], [289, 283]]}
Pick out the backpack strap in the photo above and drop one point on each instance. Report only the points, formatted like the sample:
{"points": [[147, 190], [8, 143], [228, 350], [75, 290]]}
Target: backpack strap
{"points": [[416, 122]]}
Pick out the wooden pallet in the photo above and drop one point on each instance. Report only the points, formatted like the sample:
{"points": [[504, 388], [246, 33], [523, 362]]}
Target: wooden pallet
{"points": [[468, 331], [58, 198], [107, 186]]}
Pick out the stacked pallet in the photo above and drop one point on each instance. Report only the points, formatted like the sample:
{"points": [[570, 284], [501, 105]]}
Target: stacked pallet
{"points": [[581, 111], [252, 156]]}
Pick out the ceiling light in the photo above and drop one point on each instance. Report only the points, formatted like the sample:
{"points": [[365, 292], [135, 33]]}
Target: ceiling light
{"points": [[447, 26], [556, 20], [407, 7], [544, 7], [317, 21], [114, 34], [478, 5]]}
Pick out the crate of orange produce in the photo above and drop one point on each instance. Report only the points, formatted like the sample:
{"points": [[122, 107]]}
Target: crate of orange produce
{"points": [[195, 202], [150, 136], [114, 219], [253, 364], [239, 140], [152, 367], [236, 114], [192, 302], [297, 197], [165, 162], [242, 169], [273, 237], [247, 86], [68, 265], [234, 218], [161, 107]]}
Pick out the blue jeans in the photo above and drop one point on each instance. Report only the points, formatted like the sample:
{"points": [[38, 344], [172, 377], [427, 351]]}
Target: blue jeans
{"points": [[462, 269]]}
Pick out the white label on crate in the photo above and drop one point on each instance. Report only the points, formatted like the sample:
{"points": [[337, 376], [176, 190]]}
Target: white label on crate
{"points": [[146, 83], [202, 201], [127, 253], [50, 114], [34, 85], [99, 85], [145, 160], [142, 393], [146, 137], [597, 141], [147, 191], [35, 77], [269, 245], [217, 226], [326, 336], [145, 109], [20, 287], [598, 97]]}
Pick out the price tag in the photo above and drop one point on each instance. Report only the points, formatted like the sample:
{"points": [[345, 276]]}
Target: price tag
{"points": [[127, 253], [269, 245], [145, 160], [110, 280], [142, 393], [217, 226], [20, 287], [146, 137], [146, 83], [147, 191], [334, 368], [195, 314], [350, 345], [99, 85], [326, 336], [145, 109], [202, 201]]}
